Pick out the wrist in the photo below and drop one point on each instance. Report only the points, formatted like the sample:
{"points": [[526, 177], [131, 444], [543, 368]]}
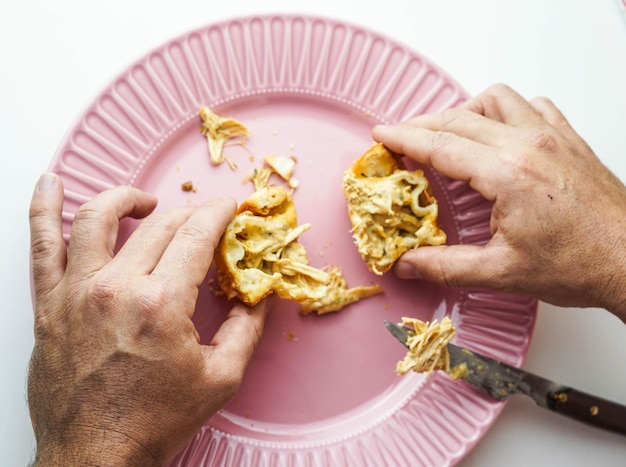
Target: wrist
{"points": [[611, 282], [99, 448]]}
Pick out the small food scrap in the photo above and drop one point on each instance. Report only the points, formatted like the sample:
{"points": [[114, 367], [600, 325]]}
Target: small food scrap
{"points": [[459, 372], [259, 254], [391, 209], [188, 186], [428, 346], [284, 167], [260, 177], [218, 131], [281, 165], [291, 336]]}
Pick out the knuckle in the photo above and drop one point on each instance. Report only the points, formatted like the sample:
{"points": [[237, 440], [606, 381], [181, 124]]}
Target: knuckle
{"points": [[444, 276], [103, 291], [45, 325], [38, 211], [192, 232], [89, 211], [453, 117], [543, 140], [43, 244], [153, 297], [499, 89], [439, 141], [93, 212], [161, 221], [542, 101]]}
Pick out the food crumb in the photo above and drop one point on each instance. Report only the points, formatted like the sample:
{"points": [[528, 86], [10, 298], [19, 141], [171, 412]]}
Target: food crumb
{"points": [[291, 336], [188, 186]]}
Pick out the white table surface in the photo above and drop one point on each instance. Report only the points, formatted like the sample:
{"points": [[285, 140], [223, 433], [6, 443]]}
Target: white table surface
{"points": [[56, 55]]}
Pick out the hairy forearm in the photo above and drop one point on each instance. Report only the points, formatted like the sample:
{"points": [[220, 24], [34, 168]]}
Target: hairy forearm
{"points": [[94, 448]]}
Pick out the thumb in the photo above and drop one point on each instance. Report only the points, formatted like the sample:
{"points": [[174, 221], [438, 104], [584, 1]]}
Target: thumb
{"points": [[454, 265], [46, 236], [234, 343]]}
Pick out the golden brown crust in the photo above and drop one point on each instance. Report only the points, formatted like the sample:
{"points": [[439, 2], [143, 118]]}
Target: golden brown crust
{"points": [[391, 209], [259, 242], [259, 254]]}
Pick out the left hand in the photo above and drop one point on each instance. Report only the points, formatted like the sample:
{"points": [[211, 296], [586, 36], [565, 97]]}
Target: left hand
{"points": [[118, 375]]}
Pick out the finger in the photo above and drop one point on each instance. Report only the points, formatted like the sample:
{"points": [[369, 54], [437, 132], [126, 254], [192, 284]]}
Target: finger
{"points": [[235, 342], [187, 258], [467, 124], [455, 265], [48, 252], [144, 248], [544, 107], [449, 154], [96, 225], [501, 103]]}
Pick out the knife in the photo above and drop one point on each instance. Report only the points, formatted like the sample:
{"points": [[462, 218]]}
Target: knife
{"points": [[500, 381]]}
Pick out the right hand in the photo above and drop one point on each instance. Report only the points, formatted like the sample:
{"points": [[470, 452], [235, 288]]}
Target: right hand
{"points": [[559, 215]]}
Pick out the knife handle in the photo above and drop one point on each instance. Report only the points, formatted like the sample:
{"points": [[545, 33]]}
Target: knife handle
{"points": [[588, 409]]}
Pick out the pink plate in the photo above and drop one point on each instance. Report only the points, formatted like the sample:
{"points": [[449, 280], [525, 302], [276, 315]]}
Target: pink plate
{"points": [[321, 391]]}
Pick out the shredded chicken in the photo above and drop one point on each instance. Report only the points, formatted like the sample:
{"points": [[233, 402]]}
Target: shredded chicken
{"points": [[428, 346], [218, 131], [259, 254], [391, 209], [338, 295]]}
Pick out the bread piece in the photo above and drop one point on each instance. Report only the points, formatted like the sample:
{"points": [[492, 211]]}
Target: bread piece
{"points": [[259, 254], [391, 209]]}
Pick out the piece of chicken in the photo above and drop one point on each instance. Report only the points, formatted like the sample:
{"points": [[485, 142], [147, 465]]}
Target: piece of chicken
{"points": [[391, 209], [259, 254]]}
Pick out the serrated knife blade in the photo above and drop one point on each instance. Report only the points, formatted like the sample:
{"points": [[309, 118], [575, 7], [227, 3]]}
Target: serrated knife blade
{"points": [[500, 380]]}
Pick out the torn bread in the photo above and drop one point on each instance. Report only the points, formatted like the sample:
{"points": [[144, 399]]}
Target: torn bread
{"points": [[391, 209]]}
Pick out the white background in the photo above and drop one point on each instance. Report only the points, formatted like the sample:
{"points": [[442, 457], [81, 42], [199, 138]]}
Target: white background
{"points": [[56, 55]]}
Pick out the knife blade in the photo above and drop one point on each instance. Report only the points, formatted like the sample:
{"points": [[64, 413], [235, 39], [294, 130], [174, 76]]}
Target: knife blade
{"points": [[500, 380]]}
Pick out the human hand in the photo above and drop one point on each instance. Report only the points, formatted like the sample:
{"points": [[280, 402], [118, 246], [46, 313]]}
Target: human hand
{"points": [[558, 221], [117, 375]]}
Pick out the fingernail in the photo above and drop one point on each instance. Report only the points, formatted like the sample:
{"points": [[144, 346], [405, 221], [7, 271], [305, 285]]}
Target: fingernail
{"points": [[406, 270], [46, 181]]}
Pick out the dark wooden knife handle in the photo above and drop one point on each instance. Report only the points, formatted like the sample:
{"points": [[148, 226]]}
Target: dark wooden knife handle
{"points": [[589, 409]]}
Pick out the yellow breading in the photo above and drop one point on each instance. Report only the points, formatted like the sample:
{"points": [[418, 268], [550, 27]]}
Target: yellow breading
{"points": [[259, 254], [428, 346], [391, 209]]}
